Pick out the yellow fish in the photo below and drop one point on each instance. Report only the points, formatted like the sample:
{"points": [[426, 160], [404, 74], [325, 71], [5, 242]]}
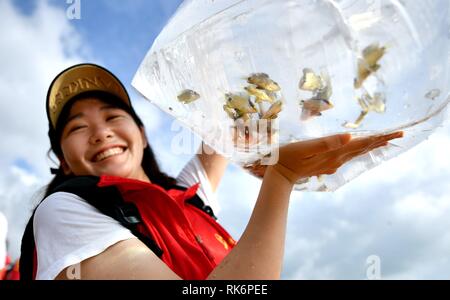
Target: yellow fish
{"points": [[369, 63], [433, 94], [263, 81], [242, 104], [377, 104], [273, 111], [310, 81], [314, 107], [260, 94], [326, 91], [188, 96], [357, 122]]}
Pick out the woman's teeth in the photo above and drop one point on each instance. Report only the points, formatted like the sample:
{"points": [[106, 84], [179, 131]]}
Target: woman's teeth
{"points": [[107, 153]]}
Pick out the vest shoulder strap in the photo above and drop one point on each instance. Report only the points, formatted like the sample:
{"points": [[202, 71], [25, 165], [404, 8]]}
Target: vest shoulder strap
{"points": [[109, 201], [27, 263], [197, 202]]}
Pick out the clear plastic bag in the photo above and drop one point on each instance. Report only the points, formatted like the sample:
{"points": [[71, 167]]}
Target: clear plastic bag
{"points": [[249, 76]]}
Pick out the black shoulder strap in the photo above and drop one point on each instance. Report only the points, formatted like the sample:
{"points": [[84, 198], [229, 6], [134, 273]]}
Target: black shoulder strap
{"points": [[27, 247], [197, 202], [107, 200]]}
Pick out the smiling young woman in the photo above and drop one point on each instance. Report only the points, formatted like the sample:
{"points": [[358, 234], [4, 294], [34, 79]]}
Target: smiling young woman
{"points": [[111, 213], [99, 138]]}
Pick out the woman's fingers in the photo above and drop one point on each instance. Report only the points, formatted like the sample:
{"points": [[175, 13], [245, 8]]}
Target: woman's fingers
{"points": [[357, 147], [325, 155], [394, 135], [352, 155], [366, 146], [310, 148], [367, 142]]}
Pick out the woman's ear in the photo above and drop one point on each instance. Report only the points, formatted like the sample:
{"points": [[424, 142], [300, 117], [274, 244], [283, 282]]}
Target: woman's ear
{"points": [[64, 166], [144, 136]]}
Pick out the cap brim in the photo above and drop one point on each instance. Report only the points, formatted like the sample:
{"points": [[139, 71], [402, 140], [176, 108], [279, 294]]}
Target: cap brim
{"points": [[80, 79]]}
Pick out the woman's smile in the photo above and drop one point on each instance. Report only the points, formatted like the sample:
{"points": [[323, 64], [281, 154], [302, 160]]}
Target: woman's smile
{"points": [[109, 152]]}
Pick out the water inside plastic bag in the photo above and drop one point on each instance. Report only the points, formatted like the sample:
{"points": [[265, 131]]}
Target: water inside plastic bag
{"points": [[249, 76]]}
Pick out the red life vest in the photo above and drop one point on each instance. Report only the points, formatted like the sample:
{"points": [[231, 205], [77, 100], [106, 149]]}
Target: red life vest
{"points": [[193, 243]]}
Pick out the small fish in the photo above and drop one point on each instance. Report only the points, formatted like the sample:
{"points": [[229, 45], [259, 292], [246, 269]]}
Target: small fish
{"points": [[263, 81], [310, 81], [357, 122], [327, 90], [314, 107], [188, 96], [369, 63], [433, 94], [260, 94], [373, 53], [273, 111], [241, 104], [377, 103], [323, 188]]}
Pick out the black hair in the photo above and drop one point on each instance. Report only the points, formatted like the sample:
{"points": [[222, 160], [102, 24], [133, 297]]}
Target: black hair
{"points": [[149, 163]]}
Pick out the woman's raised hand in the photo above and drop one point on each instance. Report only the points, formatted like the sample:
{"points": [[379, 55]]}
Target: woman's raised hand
{"points": [[325, 155]]}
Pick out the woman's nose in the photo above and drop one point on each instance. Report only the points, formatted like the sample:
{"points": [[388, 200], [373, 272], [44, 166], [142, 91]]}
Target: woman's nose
{"points": [[100, 134]]}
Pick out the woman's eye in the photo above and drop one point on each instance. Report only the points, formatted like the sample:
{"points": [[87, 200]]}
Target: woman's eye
{"points": [[76, 128], [113, 117]]}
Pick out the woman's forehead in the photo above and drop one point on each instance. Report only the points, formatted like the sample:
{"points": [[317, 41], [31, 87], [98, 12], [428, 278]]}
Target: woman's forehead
{"points": [[91, 103]]}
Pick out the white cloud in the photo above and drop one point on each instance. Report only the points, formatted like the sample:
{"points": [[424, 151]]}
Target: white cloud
{"points": [[397, 211], [33, 48], [20, 191]]}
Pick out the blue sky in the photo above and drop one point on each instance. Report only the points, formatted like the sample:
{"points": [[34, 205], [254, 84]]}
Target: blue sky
{"points": [[398, 211], [120, 34], [115, 34]]}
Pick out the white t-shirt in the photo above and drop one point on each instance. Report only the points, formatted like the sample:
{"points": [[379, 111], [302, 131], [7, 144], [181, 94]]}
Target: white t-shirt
{"points": [[3, 233], [68, 230]]}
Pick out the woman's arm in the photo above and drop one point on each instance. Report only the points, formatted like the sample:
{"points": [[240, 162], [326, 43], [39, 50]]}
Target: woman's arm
{"points": [[128, 259], [213, 163], [259, 252]]}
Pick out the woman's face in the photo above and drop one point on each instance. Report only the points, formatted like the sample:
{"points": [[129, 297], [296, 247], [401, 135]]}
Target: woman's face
{"points": [[100, 139]]}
